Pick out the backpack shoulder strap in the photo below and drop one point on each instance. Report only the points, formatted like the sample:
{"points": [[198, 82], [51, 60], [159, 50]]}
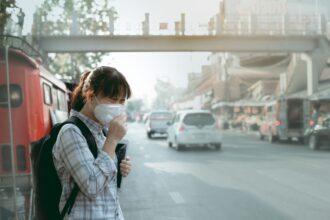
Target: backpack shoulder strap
{"points": [[93, 148], [86, 133]]}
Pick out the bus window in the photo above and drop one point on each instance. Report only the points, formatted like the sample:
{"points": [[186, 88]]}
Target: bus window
{"points": [[47, 94], [55, 99], [21, 158], [62, 101], [16, 97]]}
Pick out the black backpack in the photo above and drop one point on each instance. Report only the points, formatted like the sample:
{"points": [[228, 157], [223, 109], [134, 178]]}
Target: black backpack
{"points": [[47, 184]]}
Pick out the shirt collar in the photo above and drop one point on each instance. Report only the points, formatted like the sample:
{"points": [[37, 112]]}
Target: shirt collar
{"points": [[91, 124]]}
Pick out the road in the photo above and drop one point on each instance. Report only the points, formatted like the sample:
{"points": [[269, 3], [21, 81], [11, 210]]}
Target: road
{"points": [[247, 179]]}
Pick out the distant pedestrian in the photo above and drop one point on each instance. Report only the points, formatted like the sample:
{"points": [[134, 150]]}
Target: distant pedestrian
{"points": [[316, 113], [20, 22]]}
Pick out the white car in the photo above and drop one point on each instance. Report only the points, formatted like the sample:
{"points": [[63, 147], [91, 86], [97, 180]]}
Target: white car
{"points": [[194, 128], [157, 122]]}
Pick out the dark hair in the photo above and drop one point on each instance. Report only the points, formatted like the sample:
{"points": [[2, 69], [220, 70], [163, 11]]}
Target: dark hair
{"points": [[103, 80]]}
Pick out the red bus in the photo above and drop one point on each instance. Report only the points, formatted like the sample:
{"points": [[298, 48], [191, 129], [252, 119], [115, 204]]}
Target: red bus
{"points": [[36, 100]]}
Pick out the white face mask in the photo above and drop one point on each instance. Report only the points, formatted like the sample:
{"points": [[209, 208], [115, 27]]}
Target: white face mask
{"points": [[105, 113]]}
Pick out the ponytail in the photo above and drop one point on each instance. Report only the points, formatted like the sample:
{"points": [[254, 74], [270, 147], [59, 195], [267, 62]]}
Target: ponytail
{"points": [[78, 98]]}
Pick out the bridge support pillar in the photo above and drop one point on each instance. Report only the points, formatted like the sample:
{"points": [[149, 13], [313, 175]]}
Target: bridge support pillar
{"points": [[284, 24], [321, 22], [315, 63], [183, 23], [145, 24]]}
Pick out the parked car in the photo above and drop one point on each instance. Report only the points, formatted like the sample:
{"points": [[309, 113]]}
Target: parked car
{"points": [[194, 128], [319, 134], [157, 122]]}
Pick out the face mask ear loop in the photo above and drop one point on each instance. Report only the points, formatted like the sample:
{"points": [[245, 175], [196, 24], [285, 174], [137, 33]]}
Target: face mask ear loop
{"points": [[96, 100]]}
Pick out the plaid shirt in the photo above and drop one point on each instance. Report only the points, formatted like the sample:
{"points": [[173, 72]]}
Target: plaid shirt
{"points": [[96, 178]]}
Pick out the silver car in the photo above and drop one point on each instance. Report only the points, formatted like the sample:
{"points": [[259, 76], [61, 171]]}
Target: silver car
{"points": [[194, 128], [157, 122]]}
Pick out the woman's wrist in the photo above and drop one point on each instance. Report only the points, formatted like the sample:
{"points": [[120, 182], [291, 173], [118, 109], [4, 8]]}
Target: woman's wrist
{"points": [[110, 146]]}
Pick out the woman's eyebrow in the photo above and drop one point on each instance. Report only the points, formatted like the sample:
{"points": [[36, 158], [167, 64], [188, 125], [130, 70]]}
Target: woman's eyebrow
{"points": [[116, 99]]}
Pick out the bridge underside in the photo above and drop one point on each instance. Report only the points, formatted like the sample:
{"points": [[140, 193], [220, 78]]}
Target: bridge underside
{"points": [[81, 44]]}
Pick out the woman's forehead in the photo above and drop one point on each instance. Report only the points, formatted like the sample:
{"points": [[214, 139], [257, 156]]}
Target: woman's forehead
{"points": [[120, 95]]}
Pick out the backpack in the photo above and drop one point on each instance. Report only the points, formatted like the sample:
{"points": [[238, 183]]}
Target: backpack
{"points": [[47, 185]]}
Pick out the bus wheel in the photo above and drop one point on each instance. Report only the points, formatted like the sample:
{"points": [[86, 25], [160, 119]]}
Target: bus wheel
{"points": [[313, 143]]}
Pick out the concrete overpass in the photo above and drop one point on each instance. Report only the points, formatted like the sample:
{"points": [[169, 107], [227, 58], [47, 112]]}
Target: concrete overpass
{"points": [[151, 43], [315, 49]]}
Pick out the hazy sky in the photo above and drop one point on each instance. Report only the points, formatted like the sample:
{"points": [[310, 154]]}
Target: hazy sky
{"points": [[142, 69]]}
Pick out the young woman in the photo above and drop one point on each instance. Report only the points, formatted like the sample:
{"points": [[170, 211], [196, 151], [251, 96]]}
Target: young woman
{"points": [[98, 102]]}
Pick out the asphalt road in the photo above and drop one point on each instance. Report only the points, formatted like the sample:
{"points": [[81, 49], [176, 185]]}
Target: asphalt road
{"points": [[247, 179]]}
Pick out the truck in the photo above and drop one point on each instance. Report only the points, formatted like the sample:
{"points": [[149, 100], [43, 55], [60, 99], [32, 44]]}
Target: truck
{"points": [[285, 119]]}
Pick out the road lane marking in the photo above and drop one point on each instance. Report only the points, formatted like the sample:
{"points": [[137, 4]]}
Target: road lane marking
{"points": [[177, 198]]}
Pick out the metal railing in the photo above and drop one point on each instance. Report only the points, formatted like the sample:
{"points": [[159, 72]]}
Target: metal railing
{"points": [[20, 43], [12, 28], [249, 24]]}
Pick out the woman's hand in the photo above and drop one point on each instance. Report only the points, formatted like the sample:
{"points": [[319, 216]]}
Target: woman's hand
{"points": [[117, 128], [125, 166]]}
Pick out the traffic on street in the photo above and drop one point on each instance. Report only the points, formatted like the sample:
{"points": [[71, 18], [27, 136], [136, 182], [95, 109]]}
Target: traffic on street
{"points": [[246, 179]]}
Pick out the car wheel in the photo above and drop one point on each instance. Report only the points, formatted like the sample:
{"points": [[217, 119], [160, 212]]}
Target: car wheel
{"points": [[170, 144], [302, 140], [149, 135], [180, 147], [261, 137], [218, 146], [313, 143]]}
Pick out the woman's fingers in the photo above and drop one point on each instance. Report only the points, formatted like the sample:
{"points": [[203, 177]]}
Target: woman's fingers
{"points": [[125, 166]]}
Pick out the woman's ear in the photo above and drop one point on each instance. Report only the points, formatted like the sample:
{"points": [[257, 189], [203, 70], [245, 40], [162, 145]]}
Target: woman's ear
{"points": [[90, 96]]}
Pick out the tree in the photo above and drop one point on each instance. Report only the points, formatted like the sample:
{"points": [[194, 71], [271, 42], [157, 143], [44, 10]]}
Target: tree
{"points": [[165, 94], [134, 105], [4, 14], [74, 17]]}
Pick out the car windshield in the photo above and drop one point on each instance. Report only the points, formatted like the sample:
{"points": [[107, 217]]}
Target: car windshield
{"points": [[195, 119], [161, 116]]}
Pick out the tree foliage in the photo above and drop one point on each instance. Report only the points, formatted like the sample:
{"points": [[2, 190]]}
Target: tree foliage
{"points": [[166, 92]]}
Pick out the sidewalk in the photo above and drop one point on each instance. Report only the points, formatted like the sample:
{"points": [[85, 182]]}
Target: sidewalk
{"points": [[243, 132]]}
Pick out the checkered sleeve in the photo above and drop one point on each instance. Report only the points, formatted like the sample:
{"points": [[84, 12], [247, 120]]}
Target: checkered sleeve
{"points": [[89, 173]]}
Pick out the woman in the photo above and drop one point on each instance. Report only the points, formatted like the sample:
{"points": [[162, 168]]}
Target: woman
{"points": [[99, 92]]}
